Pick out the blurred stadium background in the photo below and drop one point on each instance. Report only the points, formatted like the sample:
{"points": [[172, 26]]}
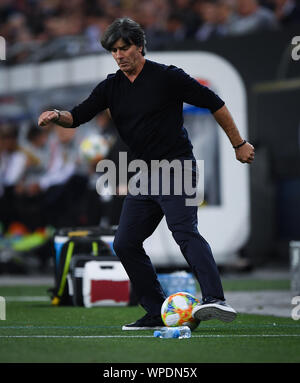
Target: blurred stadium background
{"points": [[52, 53]]}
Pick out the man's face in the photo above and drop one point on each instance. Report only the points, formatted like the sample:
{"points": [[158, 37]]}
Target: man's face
{"points": [[128, 57]]}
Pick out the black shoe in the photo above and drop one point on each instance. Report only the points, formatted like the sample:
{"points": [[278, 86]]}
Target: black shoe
{"points": [[214, 309], [147, 322]]}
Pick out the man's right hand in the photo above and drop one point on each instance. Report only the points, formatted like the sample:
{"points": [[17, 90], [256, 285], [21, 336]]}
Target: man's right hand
{"points": [[47, 117]]}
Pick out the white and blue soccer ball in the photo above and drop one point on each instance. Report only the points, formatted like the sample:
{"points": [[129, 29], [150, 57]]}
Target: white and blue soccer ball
{"points": [[93, 146]]}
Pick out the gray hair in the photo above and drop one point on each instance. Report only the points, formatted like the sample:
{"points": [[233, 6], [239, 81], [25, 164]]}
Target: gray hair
{"points": [[127, 30]]}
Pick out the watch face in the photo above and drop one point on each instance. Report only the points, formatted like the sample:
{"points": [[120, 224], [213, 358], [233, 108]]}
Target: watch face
{"points": [[58, 114]]}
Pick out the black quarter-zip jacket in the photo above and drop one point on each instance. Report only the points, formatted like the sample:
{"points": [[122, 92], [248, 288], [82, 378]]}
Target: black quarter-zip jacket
{"points": [[148, 113]]}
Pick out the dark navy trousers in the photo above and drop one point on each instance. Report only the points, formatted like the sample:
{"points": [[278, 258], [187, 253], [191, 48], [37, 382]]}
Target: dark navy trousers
{"points": [[140, 216]]}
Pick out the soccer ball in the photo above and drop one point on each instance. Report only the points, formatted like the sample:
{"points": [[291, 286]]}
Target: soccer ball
{"points": [[177, 310], [93, 146]]}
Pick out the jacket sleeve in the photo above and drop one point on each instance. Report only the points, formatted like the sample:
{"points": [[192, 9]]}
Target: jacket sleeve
{"points": [[187, 89], [91, 106]]}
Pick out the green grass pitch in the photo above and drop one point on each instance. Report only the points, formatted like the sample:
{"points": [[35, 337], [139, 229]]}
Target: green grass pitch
{"points": [[36, 332]]}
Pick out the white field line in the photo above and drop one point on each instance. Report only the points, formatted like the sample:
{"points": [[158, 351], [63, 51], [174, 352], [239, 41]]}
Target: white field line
{"points": [[24, 298], [149, 336]]}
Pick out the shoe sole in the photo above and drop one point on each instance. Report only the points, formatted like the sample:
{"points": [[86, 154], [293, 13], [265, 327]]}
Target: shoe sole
{"points": [[127, 328], [213, 311]]}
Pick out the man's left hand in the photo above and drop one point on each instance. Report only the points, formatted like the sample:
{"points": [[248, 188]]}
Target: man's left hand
{"points": [[245, 153]]}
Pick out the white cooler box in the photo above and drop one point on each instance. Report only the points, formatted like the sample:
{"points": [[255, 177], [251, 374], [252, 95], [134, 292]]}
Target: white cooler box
{"points": [[105, 283]]}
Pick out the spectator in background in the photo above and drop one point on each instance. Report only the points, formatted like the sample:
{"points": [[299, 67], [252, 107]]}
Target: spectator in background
{"points": [[16, 28], [251, 17], [107, 128], [95, 206], [287, 12], [35, 148], [63, 182], [175, 29], [164, 21], [189, 18], [29, 194], [207, 11], [64, 25], [13, 163], [153, 19], [95, 26], [40, 11], [41, 178], [225, 16], [105, 209], [6, 7]]}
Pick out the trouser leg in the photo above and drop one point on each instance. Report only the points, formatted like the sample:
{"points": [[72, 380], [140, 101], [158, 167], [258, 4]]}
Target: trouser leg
{"points": [[182, 221], [139, 217]]}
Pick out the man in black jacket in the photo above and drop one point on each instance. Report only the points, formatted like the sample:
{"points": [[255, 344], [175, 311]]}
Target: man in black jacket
{"points": [[145, 100]]}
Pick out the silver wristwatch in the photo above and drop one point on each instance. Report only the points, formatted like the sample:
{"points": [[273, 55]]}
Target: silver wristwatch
{"points": [[58, 114]]}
